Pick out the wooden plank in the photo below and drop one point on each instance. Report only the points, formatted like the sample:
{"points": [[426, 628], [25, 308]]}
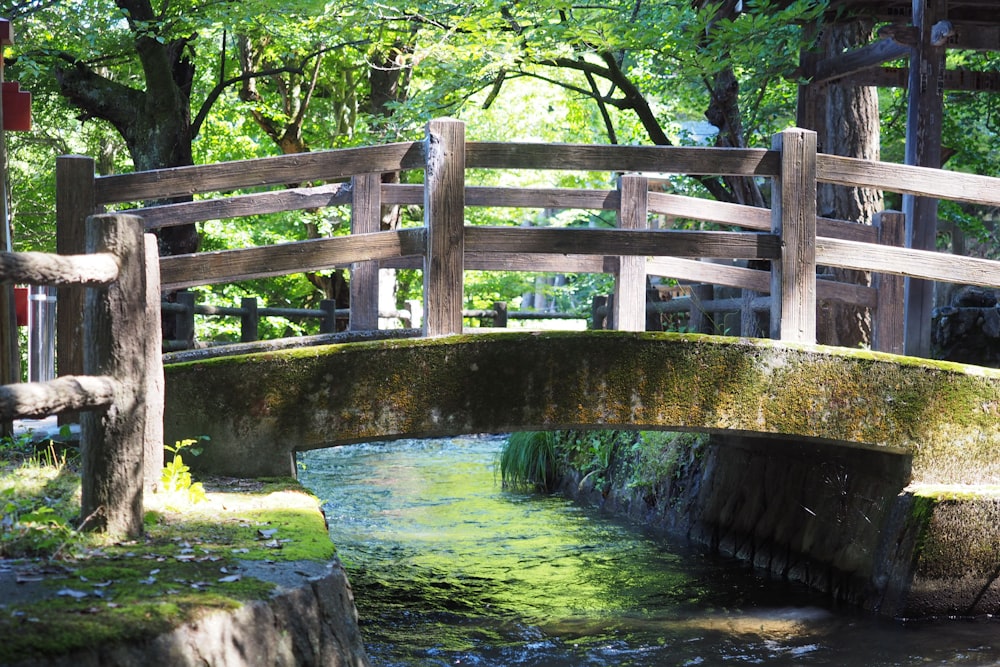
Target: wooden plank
{"points": [[677, 243], [226, 266], [534, 262], [907, 179], [630, 281], [793, 201], [866, 57], [238, 206], [366, 216], [649, 159], [444, 218], [749, 217], [155, 390], [74, 203], [954, 79], [911, 263], [330, 165], [887, 325]]}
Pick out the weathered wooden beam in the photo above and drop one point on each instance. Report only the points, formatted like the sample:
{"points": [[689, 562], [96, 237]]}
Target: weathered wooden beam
{"points": [[330, 165], [630, 280], [69, 392], [857, 60], [74, 203], [887, 325], [954, 79], [444, 219], [675, 243], [112, 441], [42, 268], [366, 216], [793, 207], [207, 268]]}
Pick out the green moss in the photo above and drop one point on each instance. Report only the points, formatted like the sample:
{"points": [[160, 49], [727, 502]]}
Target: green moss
{"points": [[186, 565]]}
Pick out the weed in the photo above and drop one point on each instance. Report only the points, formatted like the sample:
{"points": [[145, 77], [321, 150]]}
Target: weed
{"points": [[176, 479]]}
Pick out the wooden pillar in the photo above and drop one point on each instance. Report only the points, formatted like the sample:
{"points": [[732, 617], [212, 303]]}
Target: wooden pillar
{"points": [[630, 281], [184, 320], [444, 216], [112, 439], [153, 460], [366, 216], [249, 320], [887, 325], [793, 217], [925, 106], [75, 201], [500, 314]]}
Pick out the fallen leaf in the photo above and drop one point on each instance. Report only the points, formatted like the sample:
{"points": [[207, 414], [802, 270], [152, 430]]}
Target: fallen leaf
{"points": [[71, 593], [267, 534], [230, 579]]}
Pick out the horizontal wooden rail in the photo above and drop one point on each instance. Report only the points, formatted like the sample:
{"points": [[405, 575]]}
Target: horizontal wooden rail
{"points": [[906, 179], [40, 268], [735, 245], [67, 393], [330, 165], [224, 266], [925, 264]]}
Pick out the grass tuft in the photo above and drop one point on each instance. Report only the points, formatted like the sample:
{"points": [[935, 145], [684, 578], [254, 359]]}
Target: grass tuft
{"points": [[528, 461]]}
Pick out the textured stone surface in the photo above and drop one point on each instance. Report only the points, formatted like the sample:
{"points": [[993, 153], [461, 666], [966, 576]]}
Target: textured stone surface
{"points": [[257, 408], [311, 621]]}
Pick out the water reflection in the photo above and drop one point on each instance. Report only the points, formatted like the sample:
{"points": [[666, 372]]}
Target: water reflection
{"points": [[449, 569]]}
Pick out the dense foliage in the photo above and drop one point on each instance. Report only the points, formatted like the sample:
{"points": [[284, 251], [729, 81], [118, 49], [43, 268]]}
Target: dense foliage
{"points": [[145, 84]]}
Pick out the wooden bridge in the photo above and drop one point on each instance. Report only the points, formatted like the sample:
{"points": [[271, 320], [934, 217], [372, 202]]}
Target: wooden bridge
{"points": [[789, 236]]}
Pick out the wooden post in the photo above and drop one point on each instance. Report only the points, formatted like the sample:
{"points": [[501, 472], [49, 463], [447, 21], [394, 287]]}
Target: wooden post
{"points": [[328, 324], [415, 308], [366, 216], [155, 382], [184, 320], [630, 281], [887, 327], [75, 201], [112, 440], [699, 321], [793, 217], [500, 317], [444, 216], [925, 108], [249, 320]]}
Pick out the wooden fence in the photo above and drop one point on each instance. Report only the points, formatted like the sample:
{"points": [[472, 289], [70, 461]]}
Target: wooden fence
{"points": [[789, 235], [121, 388]]}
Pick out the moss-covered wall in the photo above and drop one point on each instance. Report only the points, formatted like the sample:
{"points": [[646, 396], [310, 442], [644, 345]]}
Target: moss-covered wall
{"points": [[260, 407]]}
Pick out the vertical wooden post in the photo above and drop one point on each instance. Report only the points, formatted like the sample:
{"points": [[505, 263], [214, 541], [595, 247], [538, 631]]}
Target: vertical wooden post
{"points": [[630, 281], [444, 216], [155, 382], [249, 320], [184, 320], [925, 108], [793, 217], [328, 324], [112, 440], [75, 201], [366, 216], [699, 320], [500, 316], [887, 327]]}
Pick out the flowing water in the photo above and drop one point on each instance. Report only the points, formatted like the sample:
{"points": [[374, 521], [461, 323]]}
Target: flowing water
{"points": [[450, 569]]}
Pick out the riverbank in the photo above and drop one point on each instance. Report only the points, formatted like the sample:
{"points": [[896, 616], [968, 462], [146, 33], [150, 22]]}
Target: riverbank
{"points": [[244, 575]]}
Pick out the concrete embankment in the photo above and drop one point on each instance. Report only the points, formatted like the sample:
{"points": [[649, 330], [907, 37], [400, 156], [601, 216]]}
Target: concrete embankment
{"points": [[842, 520]]}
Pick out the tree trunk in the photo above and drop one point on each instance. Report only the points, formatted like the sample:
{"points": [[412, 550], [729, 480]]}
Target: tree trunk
{"points": [[850, 128]]}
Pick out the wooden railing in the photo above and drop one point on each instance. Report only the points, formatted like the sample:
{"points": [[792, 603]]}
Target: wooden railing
{"points": [[120, 392], [789, 235]]}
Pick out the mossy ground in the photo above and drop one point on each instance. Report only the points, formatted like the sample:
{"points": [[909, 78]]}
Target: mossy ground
{"points": [[61, 590]]}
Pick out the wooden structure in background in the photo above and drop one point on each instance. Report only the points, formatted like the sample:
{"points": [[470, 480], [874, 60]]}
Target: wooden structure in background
{"points": [[919, 32]]}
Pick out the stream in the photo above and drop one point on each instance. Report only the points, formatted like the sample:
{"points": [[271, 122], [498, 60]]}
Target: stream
{"points": [[448, 568]]}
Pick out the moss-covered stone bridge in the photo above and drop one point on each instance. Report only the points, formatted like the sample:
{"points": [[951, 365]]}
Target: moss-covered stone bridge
{"points": [[259, 408], [867, 475]]}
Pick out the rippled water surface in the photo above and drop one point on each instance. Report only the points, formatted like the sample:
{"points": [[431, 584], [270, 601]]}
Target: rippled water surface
{"points": [[449, 569]]}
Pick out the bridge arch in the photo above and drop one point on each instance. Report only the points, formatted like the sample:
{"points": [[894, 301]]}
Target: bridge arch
{"points": [[259, 408]]}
